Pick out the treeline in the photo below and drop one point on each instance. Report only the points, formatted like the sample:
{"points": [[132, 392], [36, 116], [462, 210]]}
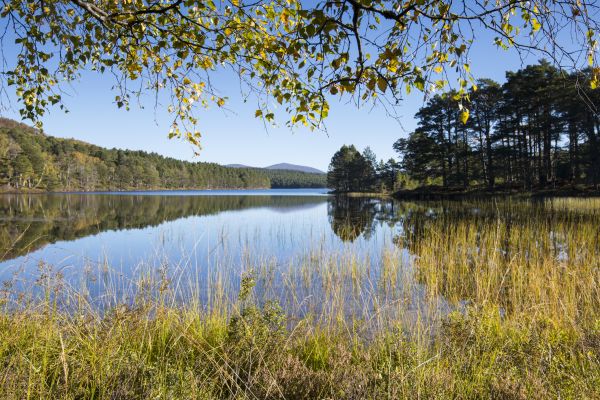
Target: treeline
{"points": [[538, 130], [353, 171], [31, 160], [281, 178]]}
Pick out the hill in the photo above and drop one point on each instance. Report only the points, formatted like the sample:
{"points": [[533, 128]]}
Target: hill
{"points": [[30, 160], [282, 167], [294, 167], [238, 166]]}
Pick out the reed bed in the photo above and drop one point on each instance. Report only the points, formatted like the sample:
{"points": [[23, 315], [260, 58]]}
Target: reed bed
{"points": [[486, 299]]}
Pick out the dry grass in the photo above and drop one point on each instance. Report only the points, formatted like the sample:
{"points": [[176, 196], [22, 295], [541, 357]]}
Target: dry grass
{"points": [[501, 302]]}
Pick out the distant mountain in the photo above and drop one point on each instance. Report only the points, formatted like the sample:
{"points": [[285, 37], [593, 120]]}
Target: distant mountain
{"points": [[282, 167], [294, 167], [238, 166]]}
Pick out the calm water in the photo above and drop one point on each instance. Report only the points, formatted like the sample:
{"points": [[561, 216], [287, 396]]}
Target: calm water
{"points": [[321, 256], [205, 241], [124, 229]]}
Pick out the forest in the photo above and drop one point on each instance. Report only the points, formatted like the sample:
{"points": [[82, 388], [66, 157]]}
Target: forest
{"points": [[30, 160], [538, 130]]}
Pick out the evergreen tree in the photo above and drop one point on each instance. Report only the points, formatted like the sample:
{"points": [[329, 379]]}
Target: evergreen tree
{"points": [[23, 171], [370, 173], [484, 114], [540, 129], [351, 171], [348, 171]]}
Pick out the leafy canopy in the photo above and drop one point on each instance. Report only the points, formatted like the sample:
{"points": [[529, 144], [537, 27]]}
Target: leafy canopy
{"points": [[291, 54]]}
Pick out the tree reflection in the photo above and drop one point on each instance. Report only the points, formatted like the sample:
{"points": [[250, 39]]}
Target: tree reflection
{"points": [[351, 217], [28, 222]]}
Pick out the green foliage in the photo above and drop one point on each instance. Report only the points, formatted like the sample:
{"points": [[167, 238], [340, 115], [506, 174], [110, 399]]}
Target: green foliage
{"points": [[35, 161], [517, 359], [404, 181], [346, 171], [288, 179], [351, 171], [538, 130], [290, 51]]}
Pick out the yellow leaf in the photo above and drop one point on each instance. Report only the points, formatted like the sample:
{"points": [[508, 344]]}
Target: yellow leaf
{"points": [[464, 116]]}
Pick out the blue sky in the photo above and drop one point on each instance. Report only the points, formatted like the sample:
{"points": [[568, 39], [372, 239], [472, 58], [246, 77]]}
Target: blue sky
{"points": [[237, 136]]}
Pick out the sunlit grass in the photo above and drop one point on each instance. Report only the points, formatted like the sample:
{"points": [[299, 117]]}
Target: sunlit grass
{"points": [[491, 300]]}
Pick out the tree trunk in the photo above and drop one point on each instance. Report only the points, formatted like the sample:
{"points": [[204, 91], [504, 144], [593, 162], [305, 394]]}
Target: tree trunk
{"points": [[490, 167]]}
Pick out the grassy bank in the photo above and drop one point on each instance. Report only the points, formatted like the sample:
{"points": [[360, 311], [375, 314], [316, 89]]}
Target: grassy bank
{"points": [[361, 194], [520, 281], [460, 193], [161, 352]]}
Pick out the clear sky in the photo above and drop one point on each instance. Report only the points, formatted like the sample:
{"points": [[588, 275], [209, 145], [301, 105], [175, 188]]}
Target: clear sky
{"points": [[237, 136]]}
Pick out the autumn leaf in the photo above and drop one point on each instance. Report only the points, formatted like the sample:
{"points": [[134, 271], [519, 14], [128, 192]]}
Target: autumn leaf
{"points": [[464, 115]]}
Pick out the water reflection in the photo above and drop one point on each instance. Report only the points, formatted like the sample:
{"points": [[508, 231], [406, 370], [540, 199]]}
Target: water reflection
{"points": [[29, 222], [352, 217], [316, 255]]}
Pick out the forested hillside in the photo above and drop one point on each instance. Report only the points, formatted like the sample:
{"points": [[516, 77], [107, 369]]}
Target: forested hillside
{"points": [[32, 160], [281, 178], [538, 130]]}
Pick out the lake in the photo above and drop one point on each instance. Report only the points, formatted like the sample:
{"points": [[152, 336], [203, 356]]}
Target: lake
{"points": [[314, 253], [206, 241]]}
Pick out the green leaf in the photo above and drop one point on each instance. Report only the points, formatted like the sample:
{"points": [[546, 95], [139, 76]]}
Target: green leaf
{"points": [[420, 83]]}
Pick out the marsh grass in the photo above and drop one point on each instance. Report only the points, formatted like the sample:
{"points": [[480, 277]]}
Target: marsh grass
{"points": [[491, 300]]}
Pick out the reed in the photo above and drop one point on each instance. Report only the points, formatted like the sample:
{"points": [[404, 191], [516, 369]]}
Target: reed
{"points": [[490, 299]]}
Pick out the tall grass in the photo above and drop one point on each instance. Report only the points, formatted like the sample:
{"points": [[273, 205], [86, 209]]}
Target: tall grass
{"points": [[491, 300]]}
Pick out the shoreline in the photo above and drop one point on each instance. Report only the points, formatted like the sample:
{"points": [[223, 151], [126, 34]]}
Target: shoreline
{"points": [[108, 191], [360, 194], [461, 194], [425, 194]]}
